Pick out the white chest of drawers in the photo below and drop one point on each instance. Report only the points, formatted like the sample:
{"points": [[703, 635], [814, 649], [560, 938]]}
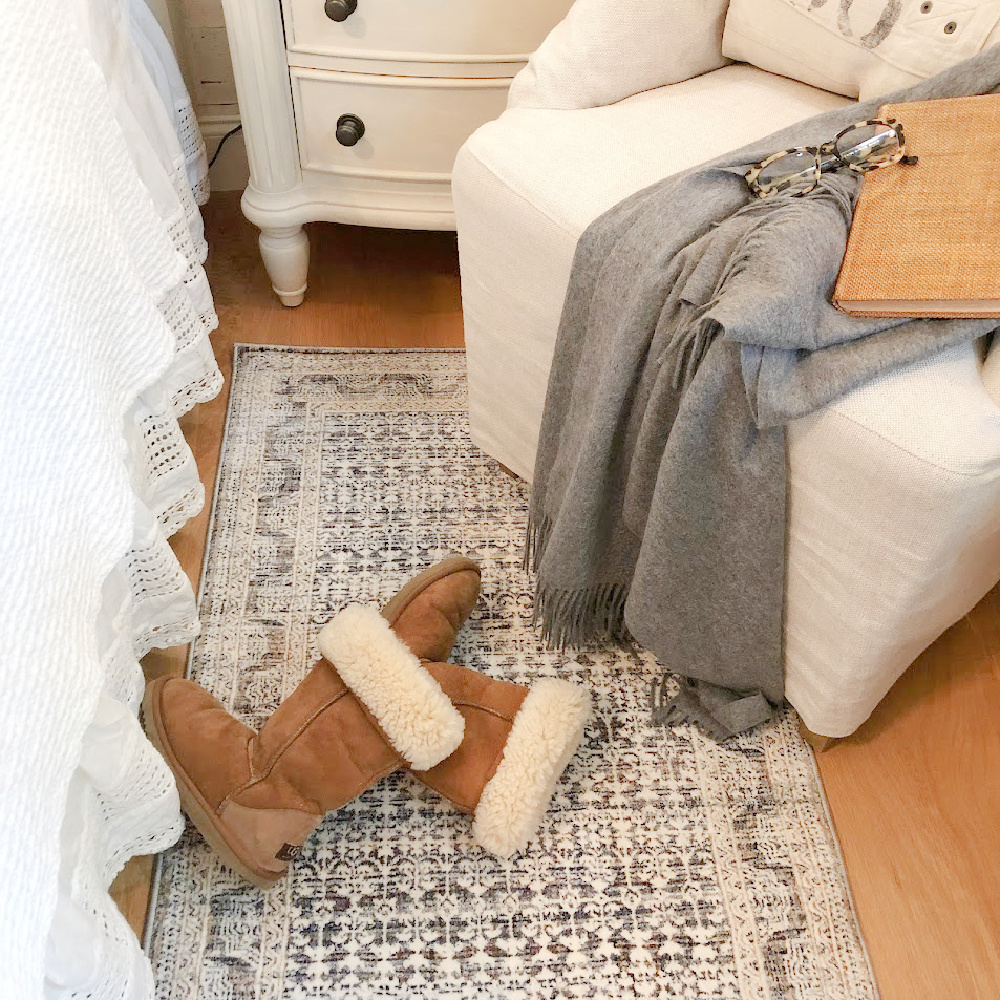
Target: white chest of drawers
{"points": [[353, 110]]}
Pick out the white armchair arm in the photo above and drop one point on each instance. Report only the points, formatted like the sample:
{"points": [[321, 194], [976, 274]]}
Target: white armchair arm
{"points": [[603, 52]]}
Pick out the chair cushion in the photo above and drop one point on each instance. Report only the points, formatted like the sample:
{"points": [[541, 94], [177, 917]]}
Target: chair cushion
{"points": [[861, 49], [602, 154]]}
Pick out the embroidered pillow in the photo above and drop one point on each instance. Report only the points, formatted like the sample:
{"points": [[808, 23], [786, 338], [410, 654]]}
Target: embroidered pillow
{"points": [[859, 48]]}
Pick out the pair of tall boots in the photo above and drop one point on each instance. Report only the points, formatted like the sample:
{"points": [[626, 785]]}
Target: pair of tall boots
{"points": [[382, 698]]}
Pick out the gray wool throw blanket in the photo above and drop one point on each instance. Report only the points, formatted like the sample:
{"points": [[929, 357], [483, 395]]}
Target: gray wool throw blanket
{"points": [[697, 323]]}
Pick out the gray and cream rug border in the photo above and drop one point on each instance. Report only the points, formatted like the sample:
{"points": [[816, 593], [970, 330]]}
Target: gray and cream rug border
{"points": [[718, 874]]}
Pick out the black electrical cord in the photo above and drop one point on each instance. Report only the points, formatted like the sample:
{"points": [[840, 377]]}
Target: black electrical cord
{"points": [[222, 142]]}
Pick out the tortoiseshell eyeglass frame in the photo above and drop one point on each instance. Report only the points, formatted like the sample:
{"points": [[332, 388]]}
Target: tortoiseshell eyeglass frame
{"points": [[827, 158]]}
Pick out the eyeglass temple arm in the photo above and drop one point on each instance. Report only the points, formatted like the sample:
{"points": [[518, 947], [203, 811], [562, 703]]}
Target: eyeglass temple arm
{"points": [[833, 163], [910, 159]]}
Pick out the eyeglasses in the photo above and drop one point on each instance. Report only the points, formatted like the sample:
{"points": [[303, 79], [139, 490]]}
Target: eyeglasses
{"points": [[861, 147]]}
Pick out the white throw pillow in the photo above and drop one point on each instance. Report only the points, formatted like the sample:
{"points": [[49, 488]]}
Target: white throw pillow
{"points": [[859, 48], [603, 52]]}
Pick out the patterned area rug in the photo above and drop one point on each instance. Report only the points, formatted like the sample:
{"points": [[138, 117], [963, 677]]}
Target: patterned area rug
{"points": [[666, 866]]}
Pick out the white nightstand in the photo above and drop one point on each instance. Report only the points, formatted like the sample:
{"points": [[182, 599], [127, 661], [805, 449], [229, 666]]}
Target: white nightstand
{"points": [[353, 110]]}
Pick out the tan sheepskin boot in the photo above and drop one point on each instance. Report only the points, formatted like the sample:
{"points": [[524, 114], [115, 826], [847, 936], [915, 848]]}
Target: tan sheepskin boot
{"points": [[518, 740], [256, 797]]}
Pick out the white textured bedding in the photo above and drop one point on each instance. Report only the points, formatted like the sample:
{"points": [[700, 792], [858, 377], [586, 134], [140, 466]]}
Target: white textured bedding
{"points": [[104, 317]]}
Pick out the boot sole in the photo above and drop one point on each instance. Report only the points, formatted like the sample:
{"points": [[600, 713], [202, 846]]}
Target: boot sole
{"points": [[415, 587], [192, 802]]}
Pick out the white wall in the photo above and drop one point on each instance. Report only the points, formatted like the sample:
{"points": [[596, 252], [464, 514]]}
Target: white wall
{"points": [[198, 31]]}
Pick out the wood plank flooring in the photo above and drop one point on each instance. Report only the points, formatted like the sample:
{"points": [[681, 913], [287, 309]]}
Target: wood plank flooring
{"points": [[915, 794]]}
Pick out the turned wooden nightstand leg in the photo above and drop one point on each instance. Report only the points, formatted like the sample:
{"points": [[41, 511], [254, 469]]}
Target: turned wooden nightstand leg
{"points": [[285, 251], [817, 742]]}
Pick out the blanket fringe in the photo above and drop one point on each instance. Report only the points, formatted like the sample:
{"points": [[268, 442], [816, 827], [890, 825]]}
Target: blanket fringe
{"points": [[684, 708], [539, 528], [577, 617], [572, 617]]}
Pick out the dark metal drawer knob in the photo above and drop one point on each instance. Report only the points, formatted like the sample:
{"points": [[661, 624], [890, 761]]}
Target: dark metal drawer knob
{"points": [[350, 129], [340, 10]]}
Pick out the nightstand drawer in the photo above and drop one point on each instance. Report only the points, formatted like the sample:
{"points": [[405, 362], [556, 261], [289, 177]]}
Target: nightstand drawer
{"points": [[413, 127], [426, 31]]}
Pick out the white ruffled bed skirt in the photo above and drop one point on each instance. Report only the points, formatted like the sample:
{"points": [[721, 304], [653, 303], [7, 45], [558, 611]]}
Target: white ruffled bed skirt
{"points": [[122, 798], [105, 316]]}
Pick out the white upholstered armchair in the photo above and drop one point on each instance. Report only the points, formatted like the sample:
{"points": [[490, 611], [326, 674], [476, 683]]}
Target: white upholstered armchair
{"points": [[894, 524]]}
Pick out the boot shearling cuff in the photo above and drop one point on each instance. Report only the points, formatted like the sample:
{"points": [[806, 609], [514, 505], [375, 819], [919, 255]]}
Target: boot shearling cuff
{"points": [[414, 713], [546, 732]]}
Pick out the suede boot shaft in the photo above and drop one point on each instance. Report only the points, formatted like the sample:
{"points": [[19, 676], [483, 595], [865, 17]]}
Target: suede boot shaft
{"points": [[256, 797], [518, 741]]}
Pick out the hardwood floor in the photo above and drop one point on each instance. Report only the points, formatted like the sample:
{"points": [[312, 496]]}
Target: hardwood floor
{"points": [[915, 793], [915, 797]]}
